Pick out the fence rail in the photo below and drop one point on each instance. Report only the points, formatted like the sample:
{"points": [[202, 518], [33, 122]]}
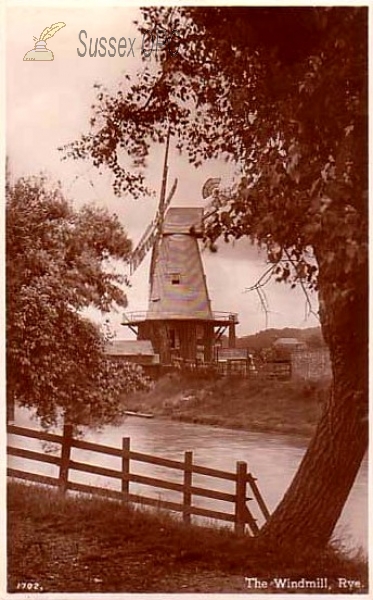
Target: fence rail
{"points": [[243, 480]]}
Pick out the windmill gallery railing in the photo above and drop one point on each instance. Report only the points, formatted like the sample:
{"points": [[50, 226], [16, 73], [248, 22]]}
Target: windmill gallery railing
{"points": [[143, 315], [65, 465]]}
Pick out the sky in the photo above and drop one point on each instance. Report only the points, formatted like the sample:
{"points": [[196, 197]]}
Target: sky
{"points": [[48, 104]]}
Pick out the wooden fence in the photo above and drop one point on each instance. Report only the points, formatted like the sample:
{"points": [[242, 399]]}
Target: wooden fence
{"points": [[243, 480]]}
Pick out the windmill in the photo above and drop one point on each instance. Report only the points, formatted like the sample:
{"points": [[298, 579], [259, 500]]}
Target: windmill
{"points": [[179, 321]]}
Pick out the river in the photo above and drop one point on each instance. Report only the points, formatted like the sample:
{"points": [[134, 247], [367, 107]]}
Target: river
{"points": [[271, 457]]}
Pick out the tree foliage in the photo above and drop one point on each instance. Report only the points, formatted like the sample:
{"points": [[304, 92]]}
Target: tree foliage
{"points": [[57, 264], [281, 92]]}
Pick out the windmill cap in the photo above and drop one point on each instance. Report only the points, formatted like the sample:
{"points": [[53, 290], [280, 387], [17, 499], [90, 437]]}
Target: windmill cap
{"points": [[182, 219]]}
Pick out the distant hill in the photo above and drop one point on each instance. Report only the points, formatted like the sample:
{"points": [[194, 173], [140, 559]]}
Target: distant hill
{"points": [[311, 336]]}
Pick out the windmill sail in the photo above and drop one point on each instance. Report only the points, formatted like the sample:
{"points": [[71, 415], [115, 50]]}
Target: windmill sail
{"points": [[151, 235], [143, 246]]}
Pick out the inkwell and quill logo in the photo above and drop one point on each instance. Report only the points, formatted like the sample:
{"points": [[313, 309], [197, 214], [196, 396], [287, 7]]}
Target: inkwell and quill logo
{"points": [[41, 52]]}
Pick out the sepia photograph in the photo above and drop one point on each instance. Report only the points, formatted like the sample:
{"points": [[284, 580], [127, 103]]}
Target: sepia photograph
{"points": [[186, 299]]}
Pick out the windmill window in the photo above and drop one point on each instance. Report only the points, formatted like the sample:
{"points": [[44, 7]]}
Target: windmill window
{"points": [[175, 278], [174, 340], [200, 334]]}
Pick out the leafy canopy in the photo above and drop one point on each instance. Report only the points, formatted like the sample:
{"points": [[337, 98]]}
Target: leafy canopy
{"points": [[279, 91], [57, 262]]}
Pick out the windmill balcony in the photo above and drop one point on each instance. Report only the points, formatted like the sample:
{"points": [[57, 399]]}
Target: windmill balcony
{"points": [[218, 317]]}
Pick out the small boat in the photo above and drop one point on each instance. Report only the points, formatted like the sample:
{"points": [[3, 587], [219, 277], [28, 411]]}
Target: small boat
{"points": [[131, 413]]}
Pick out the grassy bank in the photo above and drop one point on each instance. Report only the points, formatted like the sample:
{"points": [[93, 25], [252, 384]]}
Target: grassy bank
{"points": [[253, 405], [91, 545]]}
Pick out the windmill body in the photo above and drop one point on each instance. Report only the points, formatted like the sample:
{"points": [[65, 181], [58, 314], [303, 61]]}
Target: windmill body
{"points": [[177, 281]]}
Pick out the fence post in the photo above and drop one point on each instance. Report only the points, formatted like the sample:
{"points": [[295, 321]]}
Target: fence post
{"points": [[258, 497], [125, 468], [240, 512], [67, 437], [10, 411], [188, 473]]}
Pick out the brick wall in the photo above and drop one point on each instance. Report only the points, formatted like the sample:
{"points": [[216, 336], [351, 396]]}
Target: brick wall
{"points": [[311, 364]]}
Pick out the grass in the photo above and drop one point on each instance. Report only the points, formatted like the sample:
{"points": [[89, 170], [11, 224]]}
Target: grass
{"points": [[255, 405], [84, 544]]}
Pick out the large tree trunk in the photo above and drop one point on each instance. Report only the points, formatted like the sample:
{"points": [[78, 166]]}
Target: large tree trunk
{"points": [[311, 507]]}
